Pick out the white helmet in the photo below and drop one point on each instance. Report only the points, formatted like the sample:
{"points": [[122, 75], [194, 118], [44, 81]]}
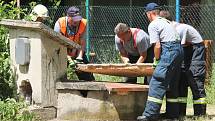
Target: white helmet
{"points": [[39, 11]]}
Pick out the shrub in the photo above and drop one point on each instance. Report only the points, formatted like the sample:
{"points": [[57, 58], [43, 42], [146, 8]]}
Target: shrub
{"points": [[10, 110]]}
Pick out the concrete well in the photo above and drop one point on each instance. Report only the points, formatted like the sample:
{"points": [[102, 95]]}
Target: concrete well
{"points": [[100, 101]]}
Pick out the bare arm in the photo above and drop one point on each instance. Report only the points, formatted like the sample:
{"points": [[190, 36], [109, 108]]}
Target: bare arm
{"points": [[142, 57], [83, 45], [81, 51], [124, 56], [157, 50]]}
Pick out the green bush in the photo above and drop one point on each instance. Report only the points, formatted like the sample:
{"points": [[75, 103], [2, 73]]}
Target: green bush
{"points": [[10, 110], [7, 84]]}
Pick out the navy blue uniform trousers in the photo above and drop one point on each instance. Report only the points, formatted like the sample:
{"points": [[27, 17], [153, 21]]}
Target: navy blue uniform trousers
{"points": [[193, 75], [170, 60]]}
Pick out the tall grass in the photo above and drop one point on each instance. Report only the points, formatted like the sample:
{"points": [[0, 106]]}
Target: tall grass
{"points": [[210, 88]]}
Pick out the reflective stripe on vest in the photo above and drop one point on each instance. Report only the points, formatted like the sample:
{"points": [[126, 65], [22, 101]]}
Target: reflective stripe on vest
{"points": [[63, 29], [182, 99], [172, 100], [135, 37], [199, 101], [156, 100]]}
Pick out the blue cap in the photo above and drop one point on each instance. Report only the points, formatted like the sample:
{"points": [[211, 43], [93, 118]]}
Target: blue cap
{"points": [[74, 13], [151, 6]]}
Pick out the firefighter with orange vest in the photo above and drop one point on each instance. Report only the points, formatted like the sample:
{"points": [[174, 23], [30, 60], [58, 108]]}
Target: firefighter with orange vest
{"points": [[134, 47], [73, 26]]}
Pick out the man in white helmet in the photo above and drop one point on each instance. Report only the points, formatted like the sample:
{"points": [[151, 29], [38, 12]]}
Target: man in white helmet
{"points": [[39, 13]]}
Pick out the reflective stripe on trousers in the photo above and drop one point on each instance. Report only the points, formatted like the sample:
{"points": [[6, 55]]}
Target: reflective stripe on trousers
{"points": [[172, 100], [182, 99], [156, 100], [199, 101], [170, 61]]}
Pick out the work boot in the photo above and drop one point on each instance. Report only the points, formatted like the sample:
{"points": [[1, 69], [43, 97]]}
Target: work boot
{"points": [[199, 109]]}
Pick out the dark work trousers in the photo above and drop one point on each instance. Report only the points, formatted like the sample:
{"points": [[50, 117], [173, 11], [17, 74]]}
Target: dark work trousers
{"points": [[183, 91], [164, 74], [85, 75], [193, 76], [134, 59], [172, 94]]}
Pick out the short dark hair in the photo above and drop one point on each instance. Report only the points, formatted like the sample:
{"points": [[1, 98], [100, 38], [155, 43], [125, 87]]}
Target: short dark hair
{"points": [[166, 14], [121, 27]]}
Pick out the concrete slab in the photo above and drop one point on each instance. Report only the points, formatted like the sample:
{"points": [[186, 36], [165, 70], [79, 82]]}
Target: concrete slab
{"points": [[100, 101]]}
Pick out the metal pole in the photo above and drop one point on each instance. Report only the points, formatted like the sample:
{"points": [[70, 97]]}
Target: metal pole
{"points": [[87, 30], [177, 11]]}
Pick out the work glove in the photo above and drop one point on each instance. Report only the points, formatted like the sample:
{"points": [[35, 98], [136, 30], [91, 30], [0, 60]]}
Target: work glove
{"points": [[79, 61], [72, 63], [155, 62]]}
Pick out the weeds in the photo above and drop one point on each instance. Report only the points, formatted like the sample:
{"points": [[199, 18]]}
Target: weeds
{"points": [[10, 110]]}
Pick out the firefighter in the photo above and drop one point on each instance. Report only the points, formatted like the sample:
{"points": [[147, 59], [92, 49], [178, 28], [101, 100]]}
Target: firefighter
{"points": [[73, 26], [134, 47], [193, 67], [39, 13], [168, 51]]}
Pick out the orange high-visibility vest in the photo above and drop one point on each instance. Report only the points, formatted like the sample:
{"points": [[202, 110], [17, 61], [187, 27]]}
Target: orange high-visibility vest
{"points": [[76, 38]]}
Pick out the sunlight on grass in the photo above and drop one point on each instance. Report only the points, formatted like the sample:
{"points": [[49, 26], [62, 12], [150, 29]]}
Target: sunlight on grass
{"points": [[100, 77], [210, 88]]}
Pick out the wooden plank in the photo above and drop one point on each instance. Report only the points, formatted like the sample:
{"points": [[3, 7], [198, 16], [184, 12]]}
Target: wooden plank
{"points": [[125, 87], [40, 27], [129, 70]]}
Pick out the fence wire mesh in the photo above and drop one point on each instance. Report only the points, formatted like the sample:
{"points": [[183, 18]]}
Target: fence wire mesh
{"points": [[103, 20]]}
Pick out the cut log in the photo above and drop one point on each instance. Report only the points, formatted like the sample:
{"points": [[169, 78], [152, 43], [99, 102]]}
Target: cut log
{"points": [[128, 70]]}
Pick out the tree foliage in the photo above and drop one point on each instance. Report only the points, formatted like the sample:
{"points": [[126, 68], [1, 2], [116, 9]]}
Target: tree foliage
{"points": [[7, 84]]}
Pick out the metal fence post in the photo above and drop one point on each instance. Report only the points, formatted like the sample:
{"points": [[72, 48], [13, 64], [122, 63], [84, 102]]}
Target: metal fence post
{"points": [[87, 30], [177, 11]]}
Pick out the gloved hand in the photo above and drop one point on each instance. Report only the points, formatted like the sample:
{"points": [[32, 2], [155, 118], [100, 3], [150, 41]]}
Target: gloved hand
{"points": [[155, 62], [79, 61], [72, 62]]}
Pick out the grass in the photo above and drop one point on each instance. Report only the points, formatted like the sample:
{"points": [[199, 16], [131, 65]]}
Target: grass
{"points": [[100, 77], [210, 88]]}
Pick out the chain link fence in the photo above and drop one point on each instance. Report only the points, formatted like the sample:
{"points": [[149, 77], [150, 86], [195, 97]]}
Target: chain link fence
{"points": [[103, 20]]}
